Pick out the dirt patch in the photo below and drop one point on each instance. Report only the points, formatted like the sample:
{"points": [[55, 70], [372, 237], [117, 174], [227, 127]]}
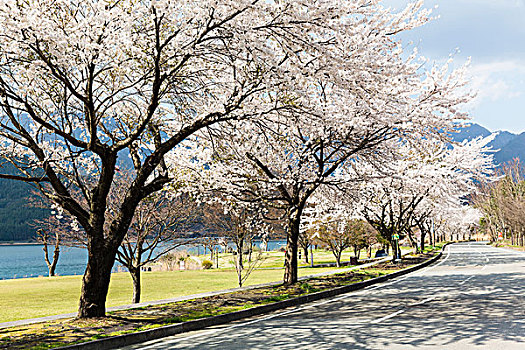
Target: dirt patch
{"points": [[65, 332]]}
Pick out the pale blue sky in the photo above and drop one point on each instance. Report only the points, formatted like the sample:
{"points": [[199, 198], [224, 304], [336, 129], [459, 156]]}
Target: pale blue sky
{"points": [[492, 33]]}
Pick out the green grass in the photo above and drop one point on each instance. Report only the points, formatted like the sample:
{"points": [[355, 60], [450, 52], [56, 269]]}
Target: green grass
{"points": [[276, 258], [45, 296]]}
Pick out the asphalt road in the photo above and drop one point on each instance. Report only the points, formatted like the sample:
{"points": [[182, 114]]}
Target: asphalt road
{"points": [[473, 298]]}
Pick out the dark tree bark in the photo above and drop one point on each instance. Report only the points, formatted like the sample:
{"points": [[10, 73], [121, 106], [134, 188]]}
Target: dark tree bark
{"points": [[51, 264], [337, 258], [95, 282], [290, 259], [135, 276], [305, 251]]}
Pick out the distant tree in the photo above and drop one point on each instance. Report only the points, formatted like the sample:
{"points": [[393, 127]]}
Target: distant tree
{"points": [[502, 202], [305, 241], [332, 235], [239, 223], [56, 230], [362, 235], [160, 225]]}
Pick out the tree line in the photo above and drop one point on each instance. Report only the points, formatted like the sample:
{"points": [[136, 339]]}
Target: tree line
{"points": [[502, 202]]}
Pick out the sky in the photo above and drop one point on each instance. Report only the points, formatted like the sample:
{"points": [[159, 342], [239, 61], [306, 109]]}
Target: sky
{"points": [[492, 34]]}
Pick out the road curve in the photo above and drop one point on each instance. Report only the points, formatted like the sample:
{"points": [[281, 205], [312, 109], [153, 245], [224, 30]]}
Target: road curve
{"points": [[473, 298]]}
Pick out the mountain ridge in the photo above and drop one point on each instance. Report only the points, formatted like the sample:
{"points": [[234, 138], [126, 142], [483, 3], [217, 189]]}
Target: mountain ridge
{"points": [[506, 145]]}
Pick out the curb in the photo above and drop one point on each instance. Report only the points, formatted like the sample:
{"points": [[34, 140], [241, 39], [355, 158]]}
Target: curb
{"points": [[165, 331]]}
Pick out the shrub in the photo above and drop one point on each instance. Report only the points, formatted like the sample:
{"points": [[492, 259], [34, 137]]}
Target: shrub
{"points": [[206, 264]]}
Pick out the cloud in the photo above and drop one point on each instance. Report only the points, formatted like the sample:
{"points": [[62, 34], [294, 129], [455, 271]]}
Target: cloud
{"points": [[497, 81], [495, 3]]}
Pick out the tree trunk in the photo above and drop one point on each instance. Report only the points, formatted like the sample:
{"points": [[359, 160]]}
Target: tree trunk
{"points": [[239, 278], [290, 259], [135, 276], [51, 265], [337, 259], [422, 244], [95, 282], [394, 250], [305, 250], [239, 264], [240, 246], [56, 255]]}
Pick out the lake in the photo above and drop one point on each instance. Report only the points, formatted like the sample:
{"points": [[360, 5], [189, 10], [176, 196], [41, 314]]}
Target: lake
{"points": [[21, 260], [27, 260]]}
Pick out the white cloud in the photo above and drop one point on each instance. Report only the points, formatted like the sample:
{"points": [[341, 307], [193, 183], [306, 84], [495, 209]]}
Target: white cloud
{"points": [[497, 81], [496, 3]]}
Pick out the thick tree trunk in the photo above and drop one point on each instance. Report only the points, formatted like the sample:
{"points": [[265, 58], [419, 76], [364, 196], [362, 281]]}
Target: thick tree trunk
{"points": [[290, 259], [95, 282], [135, 276], [422, 244]]}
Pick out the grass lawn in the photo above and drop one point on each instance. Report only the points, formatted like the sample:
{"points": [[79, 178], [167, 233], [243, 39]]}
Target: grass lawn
{"points": [[276, 258], [45, 296]]}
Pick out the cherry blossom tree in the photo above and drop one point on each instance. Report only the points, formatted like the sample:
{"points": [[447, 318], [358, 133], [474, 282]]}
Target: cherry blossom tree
{"points": [[86, 84], [425, 185], [336, 125], [238, 222]]}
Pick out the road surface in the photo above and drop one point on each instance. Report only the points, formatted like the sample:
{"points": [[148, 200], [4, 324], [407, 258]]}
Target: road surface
{"points": [[473, 298]]}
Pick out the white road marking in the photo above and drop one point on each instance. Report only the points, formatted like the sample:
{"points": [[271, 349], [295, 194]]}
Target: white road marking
{"points": [[468, 279], [424, 301], [394, 314]]}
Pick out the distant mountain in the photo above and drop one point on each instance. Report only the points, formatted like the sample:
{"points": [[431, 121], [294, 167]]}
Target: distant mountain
{"points": [[470, 132], [15, 214], [506, 144], [515, 148], [502, 139]]}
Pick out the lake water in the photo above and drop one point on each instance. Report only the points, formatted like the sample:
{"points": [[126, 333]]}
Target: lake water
{"points": [[23, 261], [19, 261]]}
